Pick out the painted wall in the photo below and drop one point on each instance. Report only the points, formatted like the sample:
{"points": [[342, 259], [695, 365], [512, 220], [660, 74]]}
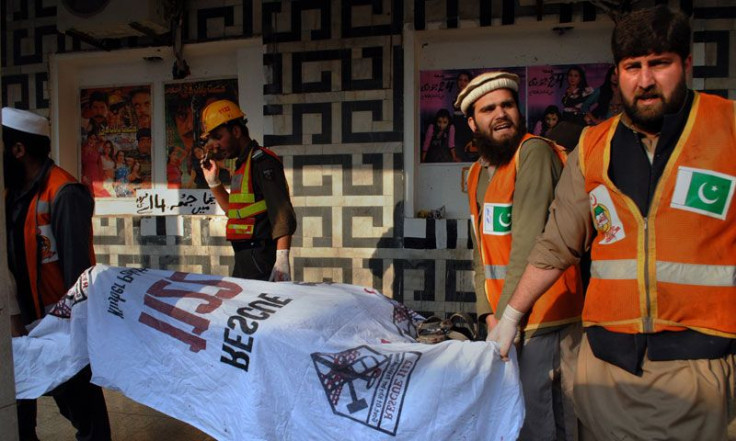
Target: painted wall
{"points": [[338, 105]]}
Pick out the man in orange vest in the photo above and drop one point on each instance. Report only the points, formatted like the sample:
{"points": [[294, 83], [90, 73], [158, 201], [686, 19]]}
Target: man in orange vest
{"points": [[651, 192], [261, 219], [49, 231], [510, 188]]}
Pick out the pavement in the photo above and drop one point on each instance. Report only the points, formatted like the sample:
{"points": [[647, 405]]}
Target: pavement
{"points": [[128, 421], [136, 422]]}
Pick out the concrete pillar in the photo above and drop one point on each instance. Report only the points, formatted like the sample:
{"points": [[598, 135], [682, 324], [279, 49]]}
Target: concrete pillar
{"points": [[8, 415]]}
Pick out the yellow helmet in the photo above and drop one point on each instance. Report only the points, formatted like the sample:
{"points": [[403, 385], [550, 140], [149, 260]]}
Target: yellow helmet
{"points": [[218, 113]]}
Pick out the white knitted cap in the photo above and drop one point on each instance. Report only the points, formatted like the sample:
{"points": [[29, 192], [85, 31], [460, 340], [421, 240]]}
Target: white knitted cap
{"points": [[483, 84], [25, 121]]}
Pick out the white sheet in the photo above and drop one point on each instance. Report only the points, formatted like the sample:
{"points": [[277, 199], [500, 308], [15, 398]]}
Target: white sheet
{"points": [[242, 359]]}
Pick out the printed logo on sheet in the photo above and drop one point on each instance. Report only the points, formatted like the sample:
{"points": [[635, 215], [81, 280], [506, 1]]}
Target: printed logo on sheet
{"points": [[77, 293], [703, 191], [605, 217], [365, 385], [496, 219]]}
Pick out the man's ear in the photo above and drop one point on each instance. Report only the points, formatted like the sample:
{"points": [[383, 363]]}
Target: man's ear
{"points": [[471, 123], [687, 64], [237, 131]]}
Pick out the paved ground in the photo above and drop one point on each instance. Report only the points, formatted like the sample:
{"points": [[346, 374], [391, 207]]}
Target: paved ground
{"points": [[129, 421]]}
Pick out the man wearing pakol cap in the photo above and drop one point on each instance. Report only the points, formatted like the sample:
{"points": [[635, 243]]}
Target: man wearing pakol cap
{"points": [[49, 231], [651, 193], [509, 189]]}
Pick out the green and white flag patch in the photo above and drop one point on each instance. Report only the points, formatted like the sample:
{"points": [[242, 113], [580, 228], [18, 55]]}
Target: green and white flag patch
{"points": [[703, 191], [496, 219]]}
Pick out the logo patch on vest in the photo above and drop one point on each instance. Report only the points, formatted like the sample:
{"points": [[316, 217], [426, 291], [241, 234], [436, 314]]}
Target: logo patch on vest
{"points": [[605, 217], [497, 219], [703, 191], [48, 244]]}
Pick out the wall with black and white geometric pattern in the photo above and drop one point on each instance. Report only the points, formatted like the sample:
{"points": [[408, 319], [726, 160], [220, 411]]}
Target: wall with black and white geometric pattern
{"points": [[334, 87]]}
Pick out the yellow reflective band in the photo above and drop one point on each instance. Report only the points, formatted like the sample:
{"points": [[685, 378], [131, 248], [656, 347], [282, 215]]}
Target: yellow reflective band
{"points": [[495, 272], [696, 274], [623, 269], [241, 198], [246, 228], [250, 210]]}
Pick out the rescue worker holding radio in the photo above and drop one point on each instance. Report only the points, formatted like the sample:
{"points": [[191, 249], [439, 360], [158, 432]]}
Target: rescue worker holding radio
{"points": [[261, 219]]}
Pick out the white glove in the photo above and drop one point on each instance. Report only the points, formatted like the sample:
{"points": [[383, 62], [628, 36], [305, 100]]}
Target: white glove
{"points": [[211, 173], [505, 332], [281, 271]]}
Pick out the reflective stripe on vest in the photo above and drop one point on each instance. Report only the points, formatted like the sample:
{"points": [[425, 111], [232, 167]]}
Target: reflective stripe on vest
{"points": [[250, 210], [43, 207], [244, 194], [241, 198], [243, 206], [495, 272], [696, 274], [669, 272], [623, 269], [241, 228]]}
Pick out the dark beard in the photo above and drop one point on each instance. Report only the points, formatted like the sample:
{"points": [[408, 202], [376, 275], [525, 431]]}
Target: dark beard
{"points": [[652, 123], [499, 153]]}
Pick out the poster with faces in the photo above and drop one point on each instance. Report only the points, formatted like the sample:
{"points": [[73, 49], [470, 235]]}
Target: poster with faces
{"points": [[183, 105], [580, 95], [115, 141]]}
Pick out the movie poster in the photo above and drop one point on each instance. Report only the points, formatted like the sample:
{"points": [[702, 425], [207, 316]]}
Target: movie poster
{"points": [[183, 108], [444, 132], [116, 140], [579, 95]]}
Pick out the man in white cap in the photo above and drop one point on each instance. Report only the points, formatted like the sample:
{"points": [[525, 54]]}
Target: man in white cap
{"points": [[49, 231], [509, 190]]}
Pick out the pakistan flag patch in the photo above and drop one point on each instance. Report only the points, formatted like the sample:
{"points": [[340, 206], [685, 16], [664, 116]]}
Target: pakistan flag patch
{"points": [[703, 191], [496, 219]]}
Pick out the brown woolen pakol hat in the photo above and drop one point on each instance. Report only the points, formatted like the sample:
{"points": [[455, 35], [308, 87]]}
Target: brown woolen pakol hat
{"points": [[485, 83]]}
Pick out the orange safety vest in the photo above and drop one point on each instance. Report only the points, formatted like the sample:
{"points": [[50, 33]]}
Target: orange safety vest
{"points": [[563, 302], [243, 206], [42, 256], [676, 268]]}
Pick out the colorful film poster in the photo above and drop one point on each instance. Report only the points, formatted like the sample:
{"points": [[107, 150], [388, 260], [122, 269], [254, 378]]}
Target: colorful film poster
{"points": [[116, 140], [184, 103]]}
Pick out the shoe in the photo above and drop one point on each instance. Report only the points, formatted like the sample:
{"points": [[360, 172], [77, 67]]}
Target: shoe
{"points": [[433, 330], [462, 327]]}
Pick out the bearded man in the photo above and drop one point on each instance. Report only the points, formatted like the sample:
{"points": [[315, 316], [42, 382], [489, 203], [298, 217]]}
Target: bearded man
{"points": [[509, 189], [650, 192]]}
